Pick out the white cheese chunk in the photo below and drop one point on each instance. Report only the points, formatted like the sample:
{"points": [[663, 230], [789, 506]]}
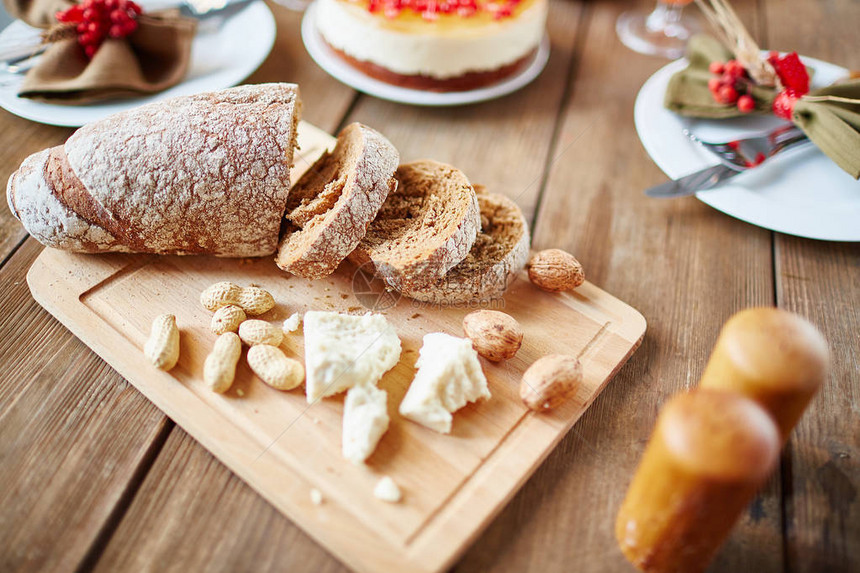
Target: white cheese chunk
{"points": [[449, 376], [365, 420], [342, 351], [387, 490], [292, 323]]}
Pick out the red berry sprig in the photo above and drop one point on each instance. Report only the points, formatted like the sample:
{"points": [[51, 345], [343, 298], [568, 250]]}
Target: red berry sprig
{"points": [[730, 84], [96, 20]]}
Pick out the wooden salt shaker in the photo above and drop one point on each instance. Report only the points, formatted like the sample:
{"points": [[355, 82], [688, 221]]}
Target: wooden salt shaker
{"points": [[710, 452], [772, 356]]}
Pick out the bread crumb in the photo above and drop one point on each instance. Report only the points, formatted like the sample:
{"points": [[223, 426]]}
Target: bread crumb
{"points": [[316, 496], [240, 392], [292, 323], [387, 490]]}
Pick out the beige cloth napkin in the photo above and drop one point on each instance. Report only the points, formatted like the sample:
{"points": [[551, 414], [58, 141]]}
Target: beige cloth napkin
{"points": [[153, 58]]}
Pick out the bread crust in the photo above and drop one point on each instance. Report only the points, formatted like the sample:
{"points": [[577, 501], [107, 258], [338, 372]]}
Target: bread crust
{"points": [[322, 229], [449, 242], [33, 200], [479, 278], [207, 173]]}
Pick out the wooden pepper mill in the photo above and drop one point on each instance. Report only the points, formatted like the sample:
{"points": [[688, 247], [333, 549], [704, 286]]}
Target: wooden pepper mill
{"points": [[710, 452], [712, 449], [775, 357]]}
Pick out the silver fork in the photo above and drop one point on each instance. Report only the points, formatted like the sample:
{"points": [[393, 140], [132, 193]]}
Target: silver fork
{"points": [[741, 154], [735, 157]]}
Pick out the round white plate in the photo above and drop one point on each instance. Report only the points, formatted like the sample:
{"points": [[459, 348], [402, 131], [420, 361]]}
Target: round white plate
{"points": [[219, 59], [801, 192], [329, 61]]}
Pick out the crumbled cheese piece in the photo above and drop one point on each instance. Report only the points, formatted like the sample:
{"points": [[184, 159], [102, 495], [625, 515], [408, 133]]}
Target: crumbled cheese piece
{"points": [[240, 392], [342, 351], [316, 497], [292, 323], [365, 420], [449, 376], [387, 490]]}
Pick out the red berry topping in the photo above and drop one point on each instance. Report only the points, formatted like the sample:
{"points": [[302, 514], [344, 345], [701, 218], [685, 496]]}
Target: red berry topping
{"points": [[430, 10], [716, 68], [783, 104], [791, 71], [746, 104]]}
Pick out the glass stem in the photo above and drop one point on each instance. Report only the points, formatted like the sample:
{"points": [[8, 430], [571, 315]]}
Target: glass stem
{"points": [[664, 18]]}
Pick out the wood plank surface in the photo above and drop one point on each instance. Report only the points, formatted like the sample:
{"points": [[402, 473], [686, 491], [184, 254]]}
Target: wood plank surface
{"points": [[821, 281], [74, 436], [664, 255], [202, 517], [684, 265], [821, 465], [324, 99]]}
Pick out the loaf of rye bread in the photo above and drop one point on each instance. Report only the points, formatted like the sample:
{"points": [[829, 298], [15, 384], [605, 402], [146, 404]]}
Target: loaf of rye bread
{"points": [[424, 228], [206, 173], [332, 204], [500, 250]]}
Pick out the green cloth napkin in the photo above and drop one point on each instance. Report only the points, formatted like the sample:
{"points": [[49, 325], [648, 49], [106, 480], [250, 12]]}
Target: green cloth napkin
{"points": [[833, 126]]}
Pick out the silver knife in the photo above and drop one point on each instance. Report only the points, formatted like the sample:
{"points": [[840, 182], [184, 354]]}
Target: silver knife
{"points": [[707, 178], [31, 45]]}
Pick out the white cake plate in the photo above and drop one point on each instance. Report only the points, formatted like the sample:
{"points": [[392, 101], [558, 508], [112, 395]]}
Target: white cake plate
{"points": [[329, 61]]}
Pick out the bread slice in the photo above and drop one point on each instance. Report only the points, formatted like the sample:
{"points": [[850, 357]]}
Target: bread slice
{"points": [[501, 249], [332, 204], [424, 228]]}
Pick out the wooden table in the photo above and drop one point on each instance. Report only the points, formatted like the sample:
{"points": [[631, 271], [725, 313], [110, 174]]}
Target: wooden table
{"points": [[93, 476]]}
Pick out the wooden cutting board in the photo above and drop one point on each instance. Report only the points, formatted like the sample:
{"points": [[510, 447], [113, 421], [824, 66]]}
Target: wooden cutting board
{"points": [[453, 485]]}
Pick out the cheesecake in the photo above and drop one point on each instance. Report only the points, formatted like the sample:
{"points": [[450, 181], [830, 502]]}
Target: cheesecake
{"points": [[449, 45]]}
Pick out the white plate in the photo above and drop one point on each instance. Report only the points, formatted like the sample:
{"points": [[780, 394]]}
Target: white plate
{"points": [[218, 60], [329, 61], [801, 192]]}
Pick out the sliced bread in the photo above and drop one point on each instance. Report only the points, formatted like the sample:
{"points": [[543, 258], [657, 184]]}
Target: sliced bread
{"points": [[501, 249], [426, 226], [330, 207]]}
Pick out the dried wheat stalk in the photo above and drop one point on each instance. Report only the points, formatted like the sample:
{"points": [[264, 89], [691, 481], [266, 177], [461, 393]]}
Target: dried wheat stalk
{"points": [[734, 35]]}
